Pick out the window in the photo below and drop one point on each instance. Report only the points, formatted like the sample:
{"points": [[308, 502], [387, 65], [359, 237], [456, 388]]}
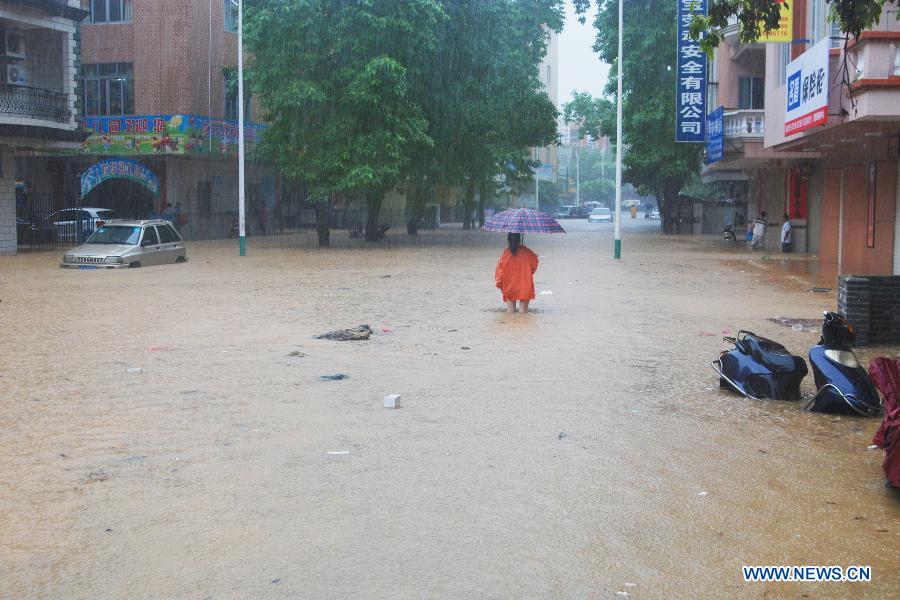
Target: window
{"points": [[837, 36], [166, 235], [784, 58], [150, 237], [110, 11], [750, 92], [231, 101], [816, 26], [231, 15], [108, 89]]}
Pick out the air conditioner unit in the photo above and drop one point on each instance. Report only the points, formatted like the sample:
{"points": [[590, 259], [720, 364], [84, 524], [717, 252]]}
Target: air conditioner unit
{"points": [[14, 75], [12, 43]]}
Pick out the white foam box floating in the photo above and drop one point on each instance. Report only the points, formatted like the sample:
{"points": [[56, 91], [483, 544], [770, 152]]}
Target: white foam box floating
{"points": [[392, 401]]}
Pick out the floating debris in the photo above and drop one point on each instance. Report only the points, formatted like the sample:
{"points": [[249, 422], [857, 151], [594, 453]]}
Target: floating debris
{"points": [[356, 334]]}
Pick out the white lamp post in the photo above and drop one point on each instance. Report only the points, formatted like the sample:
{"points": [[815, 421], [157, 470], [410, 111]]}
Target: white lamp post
{"points": [[242, 222], [617, 251]]}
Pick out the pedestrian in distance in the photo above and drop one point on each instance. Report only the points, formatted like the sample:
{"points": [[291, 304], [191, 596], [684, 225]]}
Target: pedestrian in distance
{"points": [[786, 233], [758, 229], [514, 275]]}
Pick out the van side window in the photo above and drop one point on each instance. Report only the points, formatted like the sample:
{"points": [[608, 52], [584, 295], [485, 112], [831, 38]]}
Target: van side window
{"points": [[150, 236], [166, 235]]}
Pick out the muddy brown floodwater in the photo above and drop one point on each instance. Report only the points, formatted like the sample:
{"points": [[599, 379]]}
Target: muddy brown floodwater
{"points": [[583, 451]]}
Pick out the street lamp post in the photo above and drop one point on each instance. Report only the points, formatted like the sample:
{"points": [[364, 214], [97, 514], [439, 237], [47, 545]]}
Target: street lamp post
{"points": [[617, 250], [242, 222], [577, 180]]}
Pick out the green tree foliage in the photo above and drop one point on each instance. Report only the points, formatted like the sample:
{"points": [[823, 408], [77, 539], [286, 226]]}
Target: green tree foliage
{"points": [[759, 16], [363, 95], [654, 162], [333, 78], [482, 96]]}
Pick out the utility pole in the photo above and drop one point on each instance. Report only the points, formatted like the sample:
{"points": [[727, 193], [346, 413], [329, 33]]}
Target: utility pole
{"points": [[617, 249], [242, 221], [577, 180]]}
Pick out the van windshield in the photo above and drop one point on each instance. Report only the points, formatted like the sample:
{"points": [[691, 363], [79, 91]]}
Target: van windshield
{"points": [[116, 234]]}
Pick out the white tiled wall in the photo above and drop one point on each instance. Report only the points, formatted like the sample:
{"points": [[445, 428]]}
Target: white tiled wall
{"points": [[7, 202]]}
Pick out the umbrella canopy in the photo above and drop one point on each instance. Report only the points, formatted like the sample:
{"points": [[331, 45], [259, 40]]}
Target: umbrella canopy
{"points": [[523, 220]]}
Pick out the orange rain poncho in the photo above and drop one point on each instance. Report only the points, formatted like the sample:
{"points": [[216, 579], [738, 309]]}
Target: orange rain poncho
{"points": [[514, 274]]}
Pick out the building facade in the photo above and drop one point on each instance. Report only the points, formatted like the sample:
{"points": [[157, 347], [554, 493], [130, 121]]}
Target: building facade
{"points": [[156, 86], [38, 58], [833, 169]]}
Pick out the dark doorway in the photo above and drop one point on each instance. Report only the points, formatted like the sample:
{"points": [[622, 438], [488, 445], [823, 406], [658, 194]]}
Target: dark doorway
{"points": [[129, 199]]}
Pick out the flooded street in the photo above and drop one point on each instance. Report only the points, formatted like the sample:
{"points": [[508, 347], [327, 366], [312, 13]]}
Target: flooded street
{"points": [[577, 452]]}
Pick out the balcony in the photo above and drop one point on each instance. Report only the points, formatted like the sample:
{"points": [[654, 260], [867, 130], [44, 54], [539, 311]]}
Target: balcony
{"points": [[731, 35], [874, 62], [56, 8], [33, 103], [744, 125]]}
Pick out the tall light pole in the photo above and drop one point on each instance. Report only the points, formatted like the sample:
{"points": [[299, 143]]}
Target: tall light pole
{"points": [[577, 179], [617, 251], [242, 221]]}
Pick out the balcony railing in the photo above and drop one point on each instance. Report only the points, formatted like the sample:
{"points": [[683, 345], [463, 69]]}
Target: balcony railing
{"points": [[745, 123], [59, 8], [33, 103]]}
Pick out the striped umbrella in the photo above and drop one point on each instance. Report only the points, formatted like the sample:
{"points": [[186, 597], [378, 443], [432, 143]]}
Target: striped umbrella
{"points": [[523, 220]]}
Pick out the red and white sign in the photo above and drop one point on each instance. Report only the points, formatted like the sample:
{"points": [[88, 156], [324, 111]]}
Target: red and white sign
{"points": [[807, 89]]}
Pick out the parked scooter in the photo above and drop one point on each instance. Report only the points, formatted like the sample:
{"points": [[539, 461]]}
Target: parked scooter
{"points": [[844, 385], [728, 234], [760, 368]]}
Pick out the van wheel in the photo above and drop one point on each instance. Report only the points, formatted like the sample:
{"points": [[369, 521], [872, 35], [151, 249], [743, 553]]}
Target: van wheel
{"points": [[180, 259], [134, 265]]}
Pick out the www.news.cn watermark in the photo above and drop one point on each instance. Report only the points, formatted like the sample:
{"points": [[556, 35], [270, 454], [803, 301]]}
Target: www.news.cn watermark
{"points": [[807, 573]]}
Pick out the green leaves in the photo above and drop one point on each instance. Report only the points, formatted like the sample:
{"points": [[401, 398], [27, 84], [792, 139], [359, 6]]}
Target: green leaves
{"points": [[761, 16], [361, 95], [653, 162]]}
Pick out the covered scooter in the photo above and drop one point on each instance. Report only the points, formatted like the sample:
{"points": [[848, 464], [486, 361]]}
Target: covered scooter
{"points": [[843, 384], [760, 368]]}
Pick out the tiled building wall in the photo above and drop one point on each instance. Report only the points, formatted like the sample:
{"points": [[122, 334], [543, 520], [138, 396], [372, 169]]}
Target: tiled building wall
{"points": [[178, 53], [7, 202]]}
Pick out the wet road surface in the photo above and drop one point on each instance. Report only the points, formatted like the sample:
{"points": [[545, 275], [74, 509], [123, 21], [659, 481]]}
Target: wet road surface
{"points": [[582, 451]]}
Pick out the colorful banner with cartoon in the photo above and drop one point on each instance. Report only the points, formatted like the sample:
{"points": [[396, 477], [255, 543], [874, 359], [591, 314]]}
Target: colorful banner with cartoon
{"points": [[165, 134], [118, 168]]}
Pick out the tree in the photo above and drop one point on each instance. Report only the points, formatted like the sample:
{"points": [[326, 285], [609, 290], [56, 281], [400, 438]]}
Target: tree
{"points": [[482, 96], [333, 79], [758, 16], [654, 163]]}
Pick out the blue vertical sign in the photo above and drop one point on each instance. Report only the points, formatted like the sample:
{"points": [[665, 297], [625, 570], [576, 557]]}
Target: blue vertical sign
{"points": [[690, 100], [715, 136]]}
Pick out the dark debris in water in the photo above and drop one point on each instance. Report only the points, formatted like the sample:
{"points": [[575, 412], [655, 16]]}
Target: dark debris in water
{"points": [[356, 334], [335, 377]]}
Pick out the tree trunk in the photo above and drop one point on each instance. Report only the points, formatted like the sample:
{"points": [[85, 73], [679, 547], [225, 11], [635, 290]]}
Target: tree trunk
{"points": [[323, 211], [416, 200], [481, 198], [374, 201], [467, 205]]}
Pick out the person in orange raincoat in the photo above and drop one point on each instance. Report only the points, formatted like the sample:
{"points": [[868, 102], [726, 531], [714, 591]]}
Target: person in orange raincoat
{"points": [[514, 274]]}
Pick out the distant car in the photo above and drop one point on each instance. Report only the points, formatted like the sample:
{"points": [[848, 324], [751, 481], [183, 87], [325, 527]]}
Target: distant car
{"points": [[570, 212], [75, 225], [128, 244], [600, 215]]}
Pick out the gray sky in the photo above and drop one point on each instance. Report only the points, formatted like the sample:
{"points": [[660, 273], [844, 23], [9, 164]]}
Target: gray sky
{"points": [[579, 67]]}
